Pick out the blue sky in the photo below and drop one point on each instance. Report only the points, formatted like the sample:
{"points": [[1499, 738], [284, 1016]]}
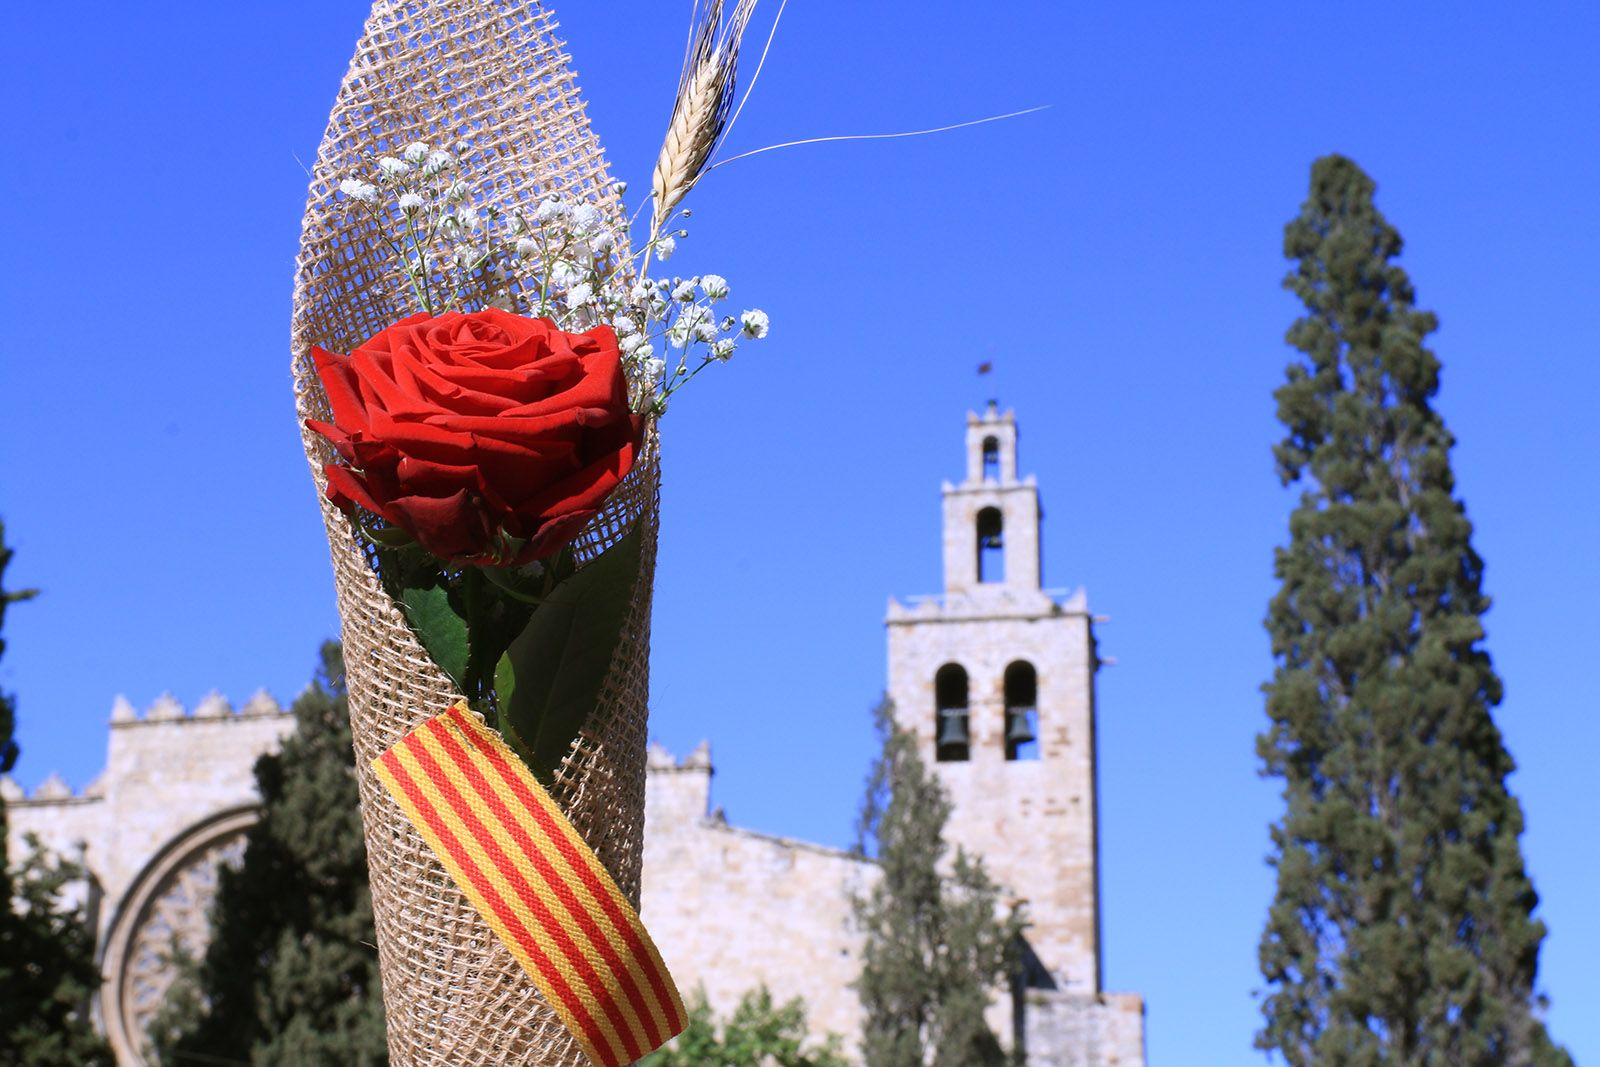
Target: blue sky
{"points": [[1118, 257]]}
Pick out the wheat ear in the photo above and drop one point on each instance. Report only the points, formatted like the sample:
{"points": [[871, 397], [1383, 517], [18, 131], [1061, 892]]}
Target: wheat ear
{"points": [[700, 111]]}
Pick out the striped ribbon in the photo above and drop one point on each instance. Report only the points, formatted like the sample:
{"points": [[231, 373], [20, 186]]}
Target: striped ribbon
{"points": [[538, 885]]}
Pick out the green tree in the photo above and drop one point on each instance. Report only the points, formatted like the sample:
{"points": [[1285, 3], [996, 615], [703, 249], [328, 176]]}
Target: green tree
{"points": [[934, 948], [759, 1034], [1402, 930], [47, 969], [290, 974]]}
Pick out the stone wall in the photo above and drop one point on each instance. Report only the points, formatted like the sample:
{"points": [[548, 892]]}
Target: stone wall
{"points": [[165, 771], [731, 909]]}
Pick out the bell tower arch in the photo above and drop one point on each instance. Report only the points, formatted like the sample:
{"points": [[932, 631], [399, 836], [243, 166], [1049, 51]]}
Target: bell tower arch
{"points": [[995, 678]]}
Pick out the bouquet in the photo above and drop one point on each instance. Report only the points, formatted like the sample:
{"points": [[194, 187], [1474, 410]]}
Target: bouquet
{"points": [[481, 361]]}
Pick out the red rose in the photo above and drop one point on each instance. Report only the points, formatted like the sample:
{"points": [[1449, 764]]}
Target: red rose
{"points": [[488, 437]]}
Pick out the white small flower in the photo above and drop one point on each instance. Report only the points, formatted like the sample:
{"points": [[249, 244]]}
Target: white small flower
{"points": [[515, 225], [665, 246], [438, 163], [392, 167], [644, 352], [705, 330], [564, 274], [579, 295], [630, 343], [603, 242], [625, 326], [550, 209], [585, 217], [416, 152], [728, 322], [467, 218], [755, 323], [527, 247], [471, 257], [640, 293], [619, 187], [458, 192], [411, 203], [356, 189], [715, 286], [683, 292], [722, 349], [678, 334]]}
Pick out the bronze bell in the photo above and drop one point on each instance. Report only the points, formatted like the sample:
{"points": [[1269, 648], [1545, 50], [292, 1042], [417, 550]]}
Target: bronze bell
{"points": [[953, 727], [1018, 729]]}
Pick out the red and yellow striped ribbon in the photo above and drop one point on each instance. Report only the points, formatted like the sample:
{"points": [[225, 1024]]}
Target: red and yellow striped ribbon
{"points": [[537, 884]]}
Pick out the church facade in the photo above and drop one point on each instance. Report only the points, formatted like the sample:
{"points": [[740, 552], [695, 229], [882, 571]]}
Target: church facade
{"points": [[994, 677]]}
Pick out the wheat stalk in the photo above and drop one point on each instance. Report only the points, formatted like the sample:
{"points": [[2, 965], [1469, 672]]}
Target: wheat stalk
{"points": [[700, 111]]}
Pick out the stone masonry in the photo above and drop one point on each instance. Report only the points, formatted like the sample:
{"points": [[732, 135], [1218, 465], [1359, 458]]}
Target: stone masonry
{"points": [[995, 677]]}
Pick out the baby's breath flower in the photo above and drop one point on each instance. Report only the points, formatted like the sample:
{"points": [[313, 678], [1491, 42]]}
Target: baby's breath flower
{"points": [[705, 330], [410, 203], [644, 352], [755, 323], [438, 163], [603, 242], [579, 295], [715, 286], [640, 293], [630, 343], [564, 274], [458, 192], [678, 334], [392, 167], [585, 217], [728, 322], [665, 246], [527, 247], [416, 152], [625, 326], [722, 349], [550, 209], [683, 292], [620, 188], [356, 189]]}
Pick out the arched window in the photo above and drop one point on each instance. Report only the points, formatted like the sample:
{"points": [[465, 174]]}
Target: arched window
{"points": [[1022, 711], [991, 459], [951, 740], [991, 546]]}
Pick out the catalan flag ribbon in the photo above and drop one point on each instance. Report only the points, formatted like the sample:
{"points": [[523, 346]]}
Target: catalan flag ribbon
{"points": [[536, 883]]}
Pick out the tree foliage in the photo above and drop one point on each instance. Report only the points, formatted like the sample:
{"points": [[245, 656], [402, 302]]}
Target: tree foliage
{"points": [[291, 974], [934, 948], [758, 1034], [47, 968], [1402, 929]]}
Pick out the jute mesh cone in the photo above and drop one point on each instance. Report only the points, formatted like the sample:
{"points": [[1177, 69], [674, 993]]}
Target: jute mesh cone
{"points": [[493, 76]]}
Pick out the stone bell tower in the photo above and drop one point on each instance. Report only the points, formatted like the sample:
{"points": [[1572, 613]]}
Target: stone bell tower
{"points": [[996, 680]]}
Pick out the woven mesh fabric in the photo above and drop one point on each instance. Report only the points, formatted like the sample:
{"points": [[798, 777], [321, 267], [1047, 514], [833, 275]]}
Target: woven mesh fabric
{"points": [[491, 76]]}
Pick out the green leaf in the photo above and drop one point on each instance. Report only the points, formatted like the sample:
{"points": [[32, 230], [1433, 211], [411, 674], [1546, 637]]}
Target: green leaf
{"points": [[442, 632], [559, 661]]}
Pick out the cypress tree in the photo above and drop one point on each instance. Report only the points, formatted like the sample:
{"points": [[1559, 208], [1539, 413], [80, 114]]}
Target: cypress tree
{"points": [[291, 974], [47, 968], [934, 948], [1402, 929]]}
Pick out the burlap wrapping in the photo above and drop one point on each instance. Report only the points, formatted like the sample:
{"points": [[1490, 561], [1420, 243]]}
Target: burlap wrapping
{"points": [[491, 75]]}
